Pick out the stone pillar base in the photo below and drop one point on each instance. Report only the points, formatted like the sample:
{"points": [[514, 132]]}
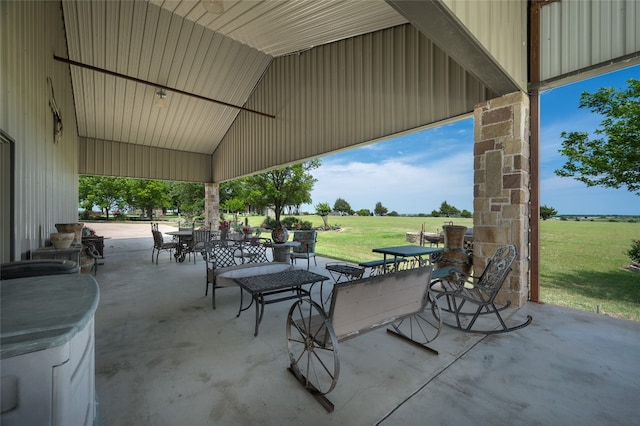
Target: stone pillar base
{"points": [[501, 188]]}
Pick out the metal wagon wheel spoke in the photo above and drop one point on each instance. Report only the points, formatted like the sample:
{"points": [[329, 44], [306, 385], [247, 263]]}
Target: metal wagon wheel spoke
{"points": [[424, 326], [312, 347]]}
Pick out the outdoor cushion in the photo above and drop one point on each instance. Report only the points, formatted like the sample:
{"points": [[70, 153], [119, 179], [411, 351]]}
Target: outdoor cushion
{"points": [[307, 240]]}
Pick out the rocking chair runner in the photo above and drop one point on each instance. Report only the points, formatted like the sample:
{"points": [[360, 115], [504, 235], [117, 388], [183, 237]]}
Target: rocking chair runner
{"points": [[461, 290]]}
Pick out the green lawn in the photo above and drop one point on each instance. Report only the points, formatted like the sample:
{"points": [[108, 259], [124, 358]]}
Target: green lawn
{"points": [[581, 263]]}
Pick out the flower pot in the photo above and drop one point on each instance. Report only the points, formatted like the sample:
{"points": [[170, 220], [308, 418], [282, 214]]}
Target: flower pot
{"points": [[279, 234], [76, 228], [62, 240], [454, 252], [223, 233]]}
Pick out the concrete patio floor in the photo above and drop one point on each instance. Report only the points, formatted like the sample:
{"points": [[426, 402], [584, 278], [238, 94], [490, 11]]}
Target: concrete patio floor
{"points": [[164, 357]]}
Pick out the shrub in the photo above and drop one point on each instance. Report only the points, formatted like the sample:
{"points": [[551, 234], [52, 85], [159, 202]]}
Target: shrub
{"points": [[269, 223], [305, 225], [289, 222], [634, 251]]}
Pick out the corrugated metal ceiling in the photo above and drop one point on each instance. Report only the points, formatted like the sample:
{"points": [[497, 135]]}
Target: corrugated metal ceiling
{"points": [[278, 27], [179, 44]]}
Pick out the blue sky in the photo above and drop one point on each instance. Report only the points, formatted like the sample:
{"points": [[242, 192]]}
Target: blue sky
{"points": [[415, 173]]}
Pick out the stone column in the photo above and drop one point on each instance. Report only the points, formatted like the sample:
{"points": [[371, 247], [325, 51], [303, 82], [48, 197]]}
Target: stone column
{"points": [[501, 188], [212, 205]]}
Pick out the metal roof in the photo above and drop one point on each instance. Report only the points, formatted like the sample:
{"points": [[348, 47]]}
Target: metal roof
{"points": [[132, 49]]}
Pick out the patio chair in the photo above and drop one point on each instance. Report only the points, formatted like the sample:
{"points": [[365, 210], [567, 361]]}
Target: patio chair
{"points": [[307, 247], [91, 251], [252, 250], [222, 267], [198, 242], [461, 291], [159, 245], [185, 241]]}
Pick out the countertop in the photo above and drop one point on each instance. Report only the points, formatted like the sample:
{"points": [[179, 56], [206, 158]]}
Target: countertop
{"points": [[38, 313]]}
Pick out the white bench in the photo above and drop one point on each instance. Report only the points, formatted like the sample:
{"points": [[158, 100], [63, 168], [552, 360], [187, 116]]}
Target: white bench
{"points": [[401, 299]]}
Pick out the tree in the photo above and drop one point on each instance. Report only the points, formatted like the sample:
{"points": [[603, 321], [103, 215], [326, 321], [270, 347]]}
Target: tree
{"points": [[341, 206], [232, 189], [547, 212], [105, 192], [613, 160], [148, 194], [187, 197], [466, 213], [234, 205], [282, 187], [323, 210], [448, 210], [364, 212], [380, 210]]}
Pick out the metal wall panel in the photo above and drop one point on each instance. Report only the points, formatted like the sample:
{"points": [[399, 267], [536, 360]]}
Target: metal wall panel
{"points": [[108, 158], [46, 186], [344, 94], [578, 35], [501, 27]]}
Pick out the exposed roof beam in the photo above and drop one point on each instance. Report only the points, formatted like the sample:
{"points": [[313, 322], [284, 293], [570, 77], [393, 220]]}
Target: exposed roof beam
{"points": [[435, 20], [160, 86]]}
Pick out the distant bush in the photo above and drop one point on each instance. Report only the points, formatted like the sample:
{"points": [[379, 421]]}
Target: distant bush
{"points": [[634, 251], [269, 222], [305, 225], [290, 222]]}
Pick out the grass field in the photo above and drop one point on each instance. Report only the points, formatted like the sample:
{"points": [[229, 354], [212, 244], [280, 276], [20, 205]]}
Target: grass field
{"points": [[582, 263]]}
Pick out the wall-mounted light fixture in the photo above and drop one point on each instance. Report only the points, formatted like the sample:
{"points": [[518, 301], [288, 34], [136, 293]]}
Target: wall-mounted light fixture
{"points": [[213, 6], [161, 99]]}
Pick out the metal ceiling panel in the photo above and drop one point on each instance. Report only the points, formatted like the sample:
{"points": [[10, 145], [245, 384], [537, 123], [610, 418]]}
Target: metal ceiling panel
{"points": [[145, 42], [282, 27], [576, 35]]}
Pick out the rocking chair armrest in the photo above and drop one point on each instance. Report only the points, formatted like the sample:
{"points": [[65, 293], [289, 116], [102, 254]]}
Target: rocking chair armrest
{"points": [[443, 285], [463, 278]]}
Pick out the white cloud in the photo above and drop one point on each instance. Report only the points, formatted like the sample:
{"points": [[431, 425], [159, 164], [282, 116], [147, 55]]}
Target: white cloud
{"points": [[397, 184]]}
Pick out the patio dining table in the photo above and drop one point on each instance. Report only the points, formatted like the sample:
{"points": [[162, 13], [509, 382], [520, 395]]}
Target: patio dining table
{"points": [[184, 237], [262, 286], [411, 252]]}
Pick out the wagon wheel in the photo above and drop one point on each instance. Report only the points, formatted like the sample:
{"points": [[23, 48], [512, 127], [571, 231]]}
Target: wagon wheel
{"points": [[424, 326], [312, 347]]}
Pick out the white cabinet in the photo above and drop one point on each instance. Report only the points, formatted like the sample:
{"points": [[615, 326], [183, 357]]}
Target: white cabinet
{"points": [[48, 353]]}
